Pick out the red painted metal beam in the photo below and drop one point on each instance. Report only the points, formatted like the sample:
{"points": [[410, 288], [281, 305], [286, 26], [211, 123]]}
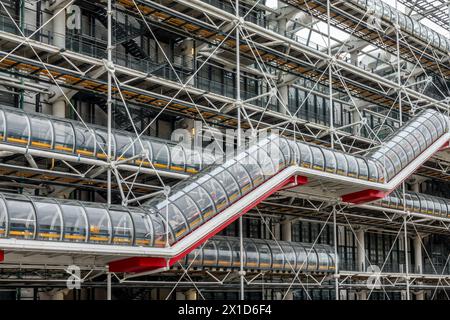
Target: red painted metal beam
{"points": [[142, 264], [364, 196], [445, 146], [2, 256]]}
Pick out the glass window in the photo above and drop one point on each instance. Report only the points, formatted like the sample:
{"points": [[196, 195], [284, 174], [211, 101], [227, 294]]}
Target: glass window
{"points": [[228, 182], [225, 256], [318, 159], [85, 140], [177, 158], [363, 169], [3, 219], [2, 125], [210, 257], [100, 229], [22, 219], [252, 261], [190, 210], [416, 202], [64, 136], [264, 161], [277, 258], [102, 144], [241, 176], [177, 221], [203, 201], [193, 161], [75, 222], [285, 149], [290, 258], [125, 146], [49, 221], [302, 263], [237, 253], [323, 258], [194, 258], [139, 149], [295, 152], [17, 127], [143, 230], [122, 227], [373, 171], [330, 161], [265, 255], [160, 155], [41, 132], [253, 169], [312, 258], [305, 155], [352, 166], [341, 162], [216, 192]]}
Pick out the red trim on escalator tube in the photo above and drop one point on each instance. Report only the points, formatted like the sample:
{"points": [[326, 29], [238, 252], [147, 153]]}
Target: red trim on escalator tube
{"points": [[364, 196], [142, 264], [2, 256]]}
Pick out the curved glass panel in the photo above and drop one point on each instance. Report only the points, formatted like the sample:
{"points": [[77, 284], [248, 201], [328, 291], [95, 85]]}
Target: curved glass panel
{"points": [[64, 136], [342, 166], [228, 182], [100, 230], [177, 158], [251, 254], [143, 230], [160, 155], [75, 222], [122, 227], [125, 146], [330, 161], [225, 255], [41, 133], [17, 128], [3, 219], [190, 210], [22, 219], [85, 141], [209, 254], [49, 220], [318, 159]]}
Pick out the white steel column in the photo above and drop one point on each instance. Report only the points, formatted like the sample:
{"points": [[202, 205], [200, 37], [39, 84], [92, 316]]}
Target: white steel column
{"points": [[286, 235], [59, 28], [420, 295], [286, 230], [283, 89], [109, 98], [108, 286], [238, 103], [336, 255], [361, 250], [59, 40]]}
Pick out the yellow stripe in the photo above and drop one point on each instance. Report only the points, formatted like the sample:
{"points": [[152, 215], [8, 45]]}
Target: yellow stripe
{"points": [[49, 235], [21, 233], [17, 140], [96, 238], [143, 241], [63, 148], [41, 144], [74, 237], [85, 152]]}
